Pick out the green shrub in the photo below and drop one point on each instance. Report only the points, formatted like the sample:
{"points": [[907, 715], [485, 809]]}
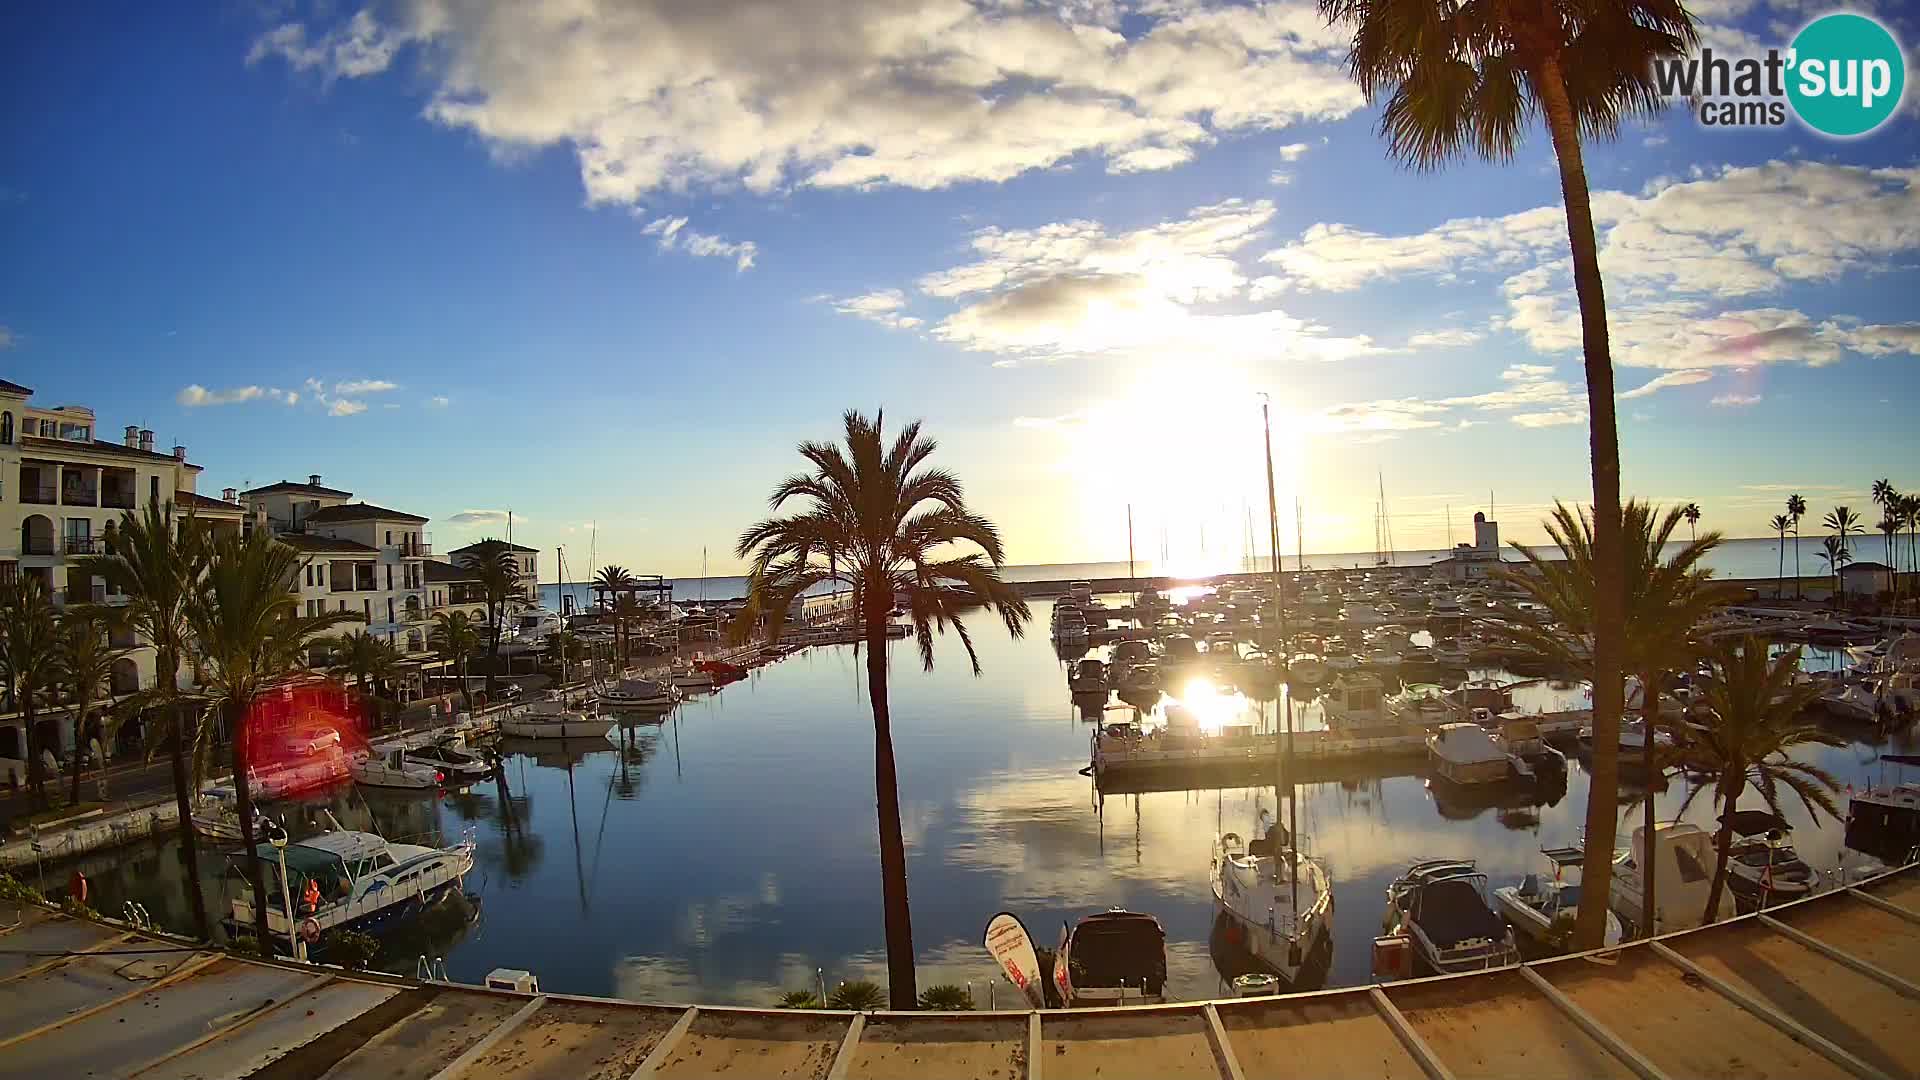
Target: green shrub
{"points": [[800, 999], [860, 995], [946, 997], [352, 949]]}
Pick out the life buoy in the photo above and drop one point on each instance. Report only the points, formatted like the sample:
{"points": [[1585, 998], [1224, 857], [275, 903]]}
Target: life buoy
{"points": [[310, 931]]}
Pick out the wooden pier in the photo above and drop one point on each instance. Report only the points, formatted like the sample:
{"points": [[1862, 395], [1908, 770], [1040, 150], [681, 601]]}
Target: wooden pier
{"points": [[1825, 987]]}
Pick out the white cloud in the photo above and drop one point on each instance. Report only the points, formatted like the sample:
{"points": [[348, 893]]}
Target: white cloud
{"points": [[438, 401], [657, 95], [346, 407], [196, 396], [884, 306], [1445, 339], [484, 517], [6, 338], [1682, 377], [1736, 401], [1279, 178], [359, 46], [1401, 414], [672, 234], [1294, 151], [1526, 372], [364, 386], [1683, 261], [1551, 418]]}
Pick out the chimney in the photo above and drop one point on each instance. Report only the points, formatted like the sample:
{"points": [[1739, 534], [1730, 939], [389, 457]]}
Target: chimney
{"points": [[133, 435], [179, 453], [231, 495], [146, 439], [313, 479]]}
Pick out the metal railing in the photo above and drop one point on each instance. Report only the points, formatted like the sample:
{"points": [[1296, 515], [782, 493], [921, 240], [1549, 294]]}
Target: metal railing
{"points": [[84, 545], [37, 545], [117, 500], [79, 496], [86, 594], [37, 493]]}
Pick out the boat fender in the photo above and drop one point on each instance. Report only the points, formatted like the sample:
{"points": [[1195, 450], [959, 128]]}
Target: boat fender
{"points": [[310, 931]]}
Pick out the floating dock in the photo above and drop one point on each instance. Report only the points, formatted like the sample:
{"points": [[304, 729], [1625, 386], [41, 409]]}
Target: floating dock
{"points": [[1825, 987]]}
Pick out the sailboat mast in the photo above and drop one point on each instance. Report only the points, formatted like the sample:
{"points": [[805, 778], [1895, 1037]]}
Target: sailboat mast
{"points": [[1273, 515], [1129, 540], [1299, 537]]}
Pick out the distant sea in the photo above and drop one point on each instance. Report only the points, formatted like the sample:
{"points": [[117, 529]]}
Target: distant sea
{"points": [[1755, 557]]}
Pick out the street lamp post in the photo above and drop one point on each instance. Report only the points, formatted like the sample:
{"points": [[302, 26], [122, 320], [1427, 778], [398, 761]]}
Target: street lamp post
{"points": [[277, 836]]}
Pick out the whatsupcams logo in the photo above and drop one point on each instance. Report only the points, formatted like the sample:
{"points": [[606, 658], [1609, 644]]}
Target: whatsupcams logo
{"points": [[1843, 75]]}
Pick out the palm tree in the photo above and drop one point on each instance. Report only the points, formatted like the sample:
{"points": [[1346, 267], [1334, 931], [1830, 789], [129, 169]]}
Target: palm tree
{"points": [[157, 559], [1754, 708], [1837, 556], [1666, 598], [1692, 513], [1470, 76], [246, 620], [626, 610], [83, 661], [879, 522], [1796, 509], [1780, 524], [1890, 526], [370, 661], [499, 582], [615, 582], [1844, 522], [454, 637], [29, 661]]}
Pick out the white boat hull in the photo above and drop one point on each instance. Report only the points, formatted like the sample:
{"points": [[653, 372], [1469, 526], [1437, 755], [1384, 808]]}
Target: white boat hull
{"points": [[583, 728]]}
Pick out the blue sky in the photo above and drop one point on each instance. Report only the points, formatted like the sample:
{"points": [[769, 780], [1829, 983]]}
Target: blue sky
{"points": [[465, 257]]}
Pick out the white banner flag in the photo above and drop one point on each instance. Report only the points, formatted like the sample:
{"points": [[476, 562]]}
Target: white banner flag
{"points": [[1007, 940]]}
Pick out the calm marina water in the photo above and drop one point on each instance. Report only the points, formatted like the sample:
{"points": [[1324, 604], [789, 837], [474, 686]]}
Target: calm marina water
{"points": [[726, 854]]}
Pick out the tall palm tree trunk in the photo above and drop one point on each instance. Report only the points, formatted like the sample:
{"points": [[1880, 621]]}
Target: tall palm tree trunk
{"points": [[243, 805], [1779, 577], [1722, 842], [189, 838], [1609, 635], [901, 991], [80, 718], [36, 769], [1796, 560]]}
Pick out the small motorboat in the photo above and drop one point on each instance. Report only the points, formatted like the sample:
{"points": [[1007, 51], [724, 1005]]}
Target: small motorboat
{"points": [[214, 815], [1527, 750], [691, 678], [1762, 867], [552, 719], [639, 694], [459, 763], [1682, 857], [1535, 904], [363, 883], [1850, 702], [1465, 754], [1088, 679], [392, 769], [1441, 906], [1116, 957], [1141, 678]]}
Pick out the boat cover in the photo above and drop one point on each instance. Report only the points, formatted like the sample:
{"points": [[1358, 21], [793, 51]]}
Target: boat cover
{"points": [[1451, 911]]}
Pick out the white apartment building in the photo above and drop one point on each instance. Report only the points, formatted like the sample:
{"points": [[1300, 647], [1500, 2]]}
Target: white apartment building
{"points": [[526, 563], [62, 493], [359, 557]]}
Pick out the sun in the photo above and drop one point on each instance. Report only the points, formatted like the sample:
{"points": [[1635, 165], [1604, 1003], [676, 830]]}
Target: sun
{"points": [[1182, 445]]}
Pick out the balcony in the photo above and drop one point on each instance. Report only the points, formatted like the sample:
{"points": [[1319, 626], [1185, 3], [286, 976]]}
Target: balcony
{"points": [[86, 594], [79, 495], [417, 549], [36, 493], [117, 500], [84, 545]]}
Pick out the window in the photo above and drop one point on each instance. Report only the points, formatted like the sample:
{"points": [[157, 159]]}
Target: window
{"points": [[389, 537], [366, 608], [6, 428], [153, 489], [389, 570], [309, 575], [343, 603], [320, 574], [390, 617]]}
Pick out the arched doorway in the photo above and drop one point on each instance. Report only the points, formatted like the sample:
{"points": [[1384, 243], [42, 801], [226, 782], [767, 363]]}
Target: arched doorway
{"points": [[125, 676], [36, 535]]}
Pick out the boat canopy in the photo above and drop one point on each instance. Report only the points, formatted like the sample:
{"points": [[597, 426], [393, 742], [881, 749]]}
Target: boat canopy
{"points": [[1754, 822], [1564, 856], [1451, 910], [1119, 948]]}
